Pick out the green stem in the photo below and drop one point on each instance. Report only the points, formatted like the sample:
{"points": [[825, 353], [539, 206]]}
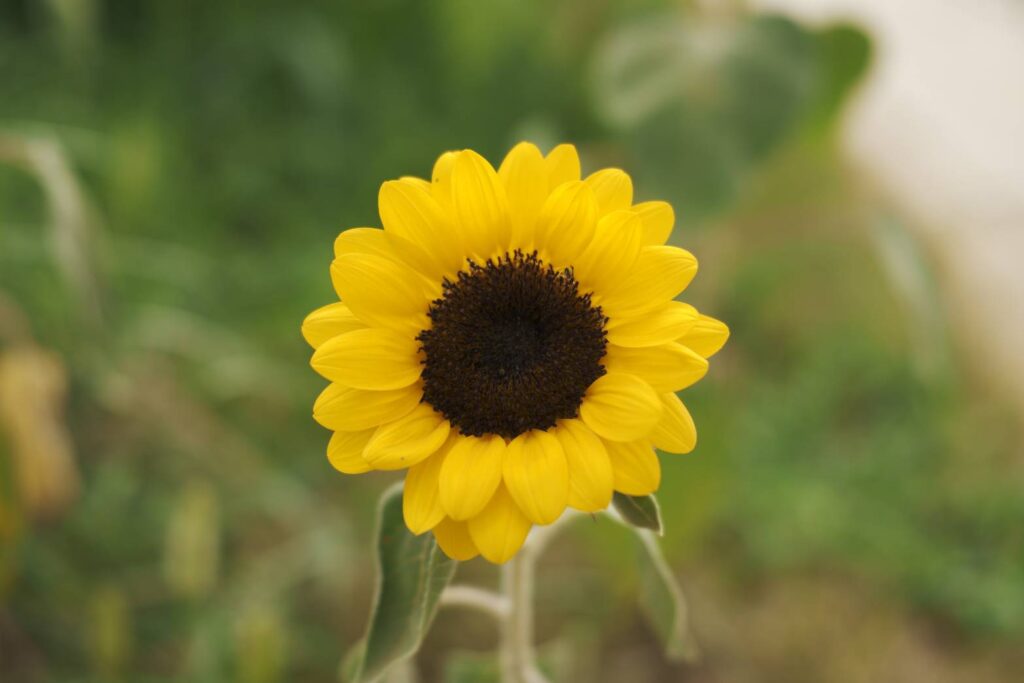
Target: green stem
{"points": [[518, 658], [517, 654]]}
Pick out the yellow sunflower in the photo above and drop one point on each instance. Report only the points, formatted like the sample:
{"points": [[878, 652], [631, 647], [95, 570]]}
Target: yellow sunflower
{"points": [[511, 338]]}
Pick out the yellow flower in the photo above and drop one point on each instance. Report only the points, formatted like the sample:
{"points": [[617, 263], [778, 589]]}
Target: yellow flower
{"points": [[511, 338]]}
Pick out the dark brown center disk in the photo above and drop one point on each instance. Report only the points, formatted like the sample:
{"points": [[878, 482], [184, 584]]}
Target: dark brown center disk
{"points": [[513, 346]]}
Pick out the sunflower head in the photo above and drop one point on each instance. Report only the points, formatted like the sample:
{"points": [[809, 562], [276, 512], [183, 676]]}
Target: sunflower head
{"points": [[511, 338]]}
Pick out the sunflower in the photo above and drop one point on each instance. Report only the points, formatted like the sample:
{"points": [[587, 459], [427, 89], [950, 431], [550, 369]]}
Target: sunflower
{"points": [[512, 339]]}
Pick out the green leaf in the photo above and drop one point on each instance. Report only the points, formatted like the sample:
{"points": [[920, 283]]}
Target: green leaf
{"points": [[639, 511], [663, 603], [348, 670], [844, 54], [661, 599], [413, 572], [704, 118]]}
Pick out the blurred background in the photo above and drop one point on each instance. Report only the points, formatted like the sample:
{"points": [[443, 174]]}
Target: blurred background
{"points": [[172, 175]]}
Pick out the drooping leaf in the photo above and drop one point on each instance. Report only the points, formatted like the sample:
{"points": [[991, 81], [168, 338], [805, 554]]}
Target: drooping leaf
{"points": [[661, 598], [412, 574], [663, 603], [348, 670], [639, 511]]}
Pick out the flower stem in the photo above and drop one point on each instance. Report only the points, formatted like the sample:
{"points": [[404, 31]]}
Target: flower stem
{"points": [[517, 654], [486, 601]]}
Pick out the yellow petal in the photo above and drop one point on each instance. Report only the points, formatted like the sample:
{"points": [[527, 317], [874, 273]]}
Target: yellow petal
{"points": [[454, 539], [537, 476], [666, 367], [563, 165], [410, 212], [419, 182], [352, 410], [471, 474], [706, 337], [480, 205], [608, 258], [329, 321], [612, 188], [590, 470], [635, 467], [423, 269], [675, 432], [664, 324], [566, 223], [620, 407], [363, 241], [658, 219], [421, 502], [441, 180], [381, 292], [371, 358], [660, 273], [408, 440], [500, 528], [526, 185], [345, 451]]}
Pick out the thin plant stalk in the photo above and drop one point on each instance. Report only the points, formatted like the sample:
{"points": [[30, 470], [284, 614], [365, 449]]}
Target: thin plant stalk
{"points": [[517, 656]]}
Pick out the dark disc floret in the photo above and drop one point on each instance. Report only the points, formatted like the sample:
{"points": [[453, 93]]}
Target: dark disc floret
{"points": [[513, 346]]}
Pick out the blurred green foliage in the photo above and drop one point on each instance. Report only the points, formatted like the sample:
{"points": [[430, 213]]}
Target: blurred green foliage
{"points": [[171, 177]]}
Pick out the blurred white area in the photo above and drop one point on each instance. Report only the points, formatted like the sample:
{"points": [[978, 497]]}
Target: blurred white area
{"points": [[940, 125]]}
